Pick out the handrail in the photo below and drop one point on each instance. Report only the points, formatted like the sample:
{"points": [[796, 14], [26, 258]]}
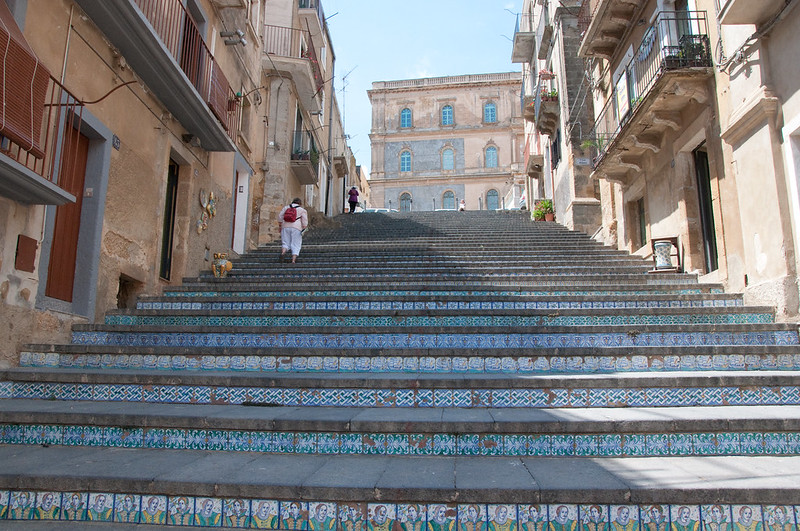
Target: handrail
{"points": [[676, 40]]}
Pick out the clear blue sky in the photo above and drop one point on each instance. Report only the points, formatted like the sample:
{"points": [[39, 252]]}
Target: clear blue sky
{"points": [[386, 40]]}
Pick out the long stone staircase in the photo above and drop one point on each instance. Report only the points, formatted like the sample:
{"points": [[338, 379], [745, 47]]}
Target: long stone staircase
{"points": [[464, 371]]}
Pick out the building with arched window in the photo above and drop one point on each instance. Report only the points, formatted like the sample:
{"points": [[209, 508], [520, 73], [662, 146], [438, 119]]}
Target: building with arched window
{"points": [[464, 142]]}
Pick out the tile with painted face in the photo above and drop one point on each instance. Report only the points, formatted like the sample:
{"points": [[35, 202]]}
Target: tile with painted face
{"points": [[779, 518], [264, 514], [563, 517], [685, 517], [441, 517], [716, 517], [73, 505], [208, 512], [624, 517], [101, 507], [351, 516], [593, 517], [321, 516], [654, 517], [412, 516], [381, 516], [126, 508], [294, 515], [236, 512], [472, 517], [532, 517], [502, 517], [48, 505], [21, 505], [181, 510], [154, 510]]}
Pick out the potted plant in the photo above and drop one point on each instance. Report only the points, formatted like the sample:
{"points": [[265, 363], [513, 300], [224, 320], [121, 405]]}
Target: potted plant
{"points": [[544, 211]]}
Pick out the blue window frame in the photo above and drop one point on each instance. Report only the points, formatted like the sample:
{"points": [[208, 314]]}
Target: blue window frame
{"points": [[447, 115], [490, 113], [449, 200], [405, 161], [448, 159], [405, 118], [492, 200], [491, 157]]}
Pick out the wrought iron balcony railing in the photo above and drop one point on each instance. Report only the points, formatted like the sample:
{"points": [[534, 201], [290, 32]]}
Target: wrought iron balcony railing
{"points": [[177, 30], [677, 40], [48, 154], [288, 42]]}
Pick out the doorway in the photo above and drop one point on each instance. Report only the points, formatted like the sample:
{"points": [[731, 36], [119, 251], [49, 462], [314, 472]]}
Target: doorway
{"points": [[706, 209], [64, 249], [168, 230]]}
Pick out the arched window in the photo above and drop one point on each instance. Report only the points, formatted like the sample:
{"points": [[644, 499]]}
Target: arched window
{"points": [[449, 200], [492, 200], [447, 115], [405, 161], [491, 157], [448, 159], [405, 118], [405, 202], [490, 113]]}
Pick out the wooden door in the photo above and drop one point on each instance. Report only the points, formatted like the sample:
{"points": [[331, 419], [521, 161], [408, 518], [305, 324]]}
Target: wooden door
{"points": [[64, 249]]}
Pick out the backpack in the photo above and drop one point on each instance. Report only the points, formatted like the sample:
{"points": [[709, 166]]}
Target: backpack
{"points": [[290, 216]]}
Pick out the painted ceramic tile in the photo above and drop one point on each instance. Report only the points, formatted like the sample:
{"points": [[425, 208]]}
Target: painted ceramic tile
{"points": [[747, 517], [563, 517], [101, 507], [779, 518], [321, 516], [181, 510], [236, 513], [472, 517], [381, 516], [502, 517], [351, 517], [441, 517], [593, 517], [294, 515], [532, 517], [685, 517], [208, 512], [127, 508], [21, 505], [624, 518], [73, 505], [411, 517], [48, 506], [154, 510], [264, 514], [4, 496], [655, 517], [716, 517]]}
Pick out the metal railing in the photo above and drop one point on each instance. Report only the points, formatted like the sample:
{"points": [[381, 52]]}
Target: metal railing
{"points": [[179, 33], [62, 111], [525, 23], [586, 13], [544, 92], [676, 40], [313, 4], [288, 42]]}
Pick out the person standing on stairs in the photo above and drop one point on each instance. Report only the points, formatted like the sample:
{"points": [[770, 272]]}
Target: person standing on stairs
{"points": [[353, 199], [292, 219]]}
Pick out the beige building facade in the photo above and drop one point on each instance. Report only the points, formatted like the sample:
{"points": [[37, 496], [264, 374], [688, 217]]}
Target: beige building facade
{"points": [[557, 112], [158, 133], [695, 135], [437, 141]]}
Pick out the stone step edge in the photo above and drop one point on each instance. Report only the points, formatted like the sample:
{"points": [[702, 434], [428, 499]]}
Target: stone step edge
{"points": [[477, 381], [440, 420], [378, 479]]}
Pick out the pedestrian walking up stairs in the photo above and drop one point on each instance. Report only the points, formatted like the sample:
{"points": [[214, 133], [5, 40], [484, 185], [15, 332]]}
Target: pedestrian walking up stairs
{"points": [[470, 371]]}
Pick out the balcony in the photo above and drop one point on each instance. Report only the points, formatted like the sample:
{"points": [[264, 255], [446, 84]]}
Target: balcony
{"points": [[292, 50], [29, 170], [668, 73], [544, 34], [524, 39], [163, 45], [312, 17], [604, 24], [546, 108], [304, 158], [748, 11]]}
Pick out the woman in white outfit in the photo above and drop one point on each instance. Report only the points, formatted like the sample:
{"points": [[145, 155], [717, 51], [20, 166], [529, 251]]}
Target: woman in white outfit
{"points": [[291, 235]]}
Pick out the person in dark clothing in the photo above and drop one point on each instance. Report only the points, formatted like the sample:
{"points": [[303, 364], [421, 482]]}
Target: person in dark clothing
{"points": [[353, 199]]}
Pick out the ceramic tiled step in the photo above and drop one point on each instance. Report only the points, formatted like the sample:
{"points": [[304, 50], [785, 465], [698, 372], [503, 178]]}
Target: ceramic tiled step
{"points": [[423, 318], [384, 479], [381, 300], [290, 277], [502, 338], [367, 292], [372, 363], [629, 432]]}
